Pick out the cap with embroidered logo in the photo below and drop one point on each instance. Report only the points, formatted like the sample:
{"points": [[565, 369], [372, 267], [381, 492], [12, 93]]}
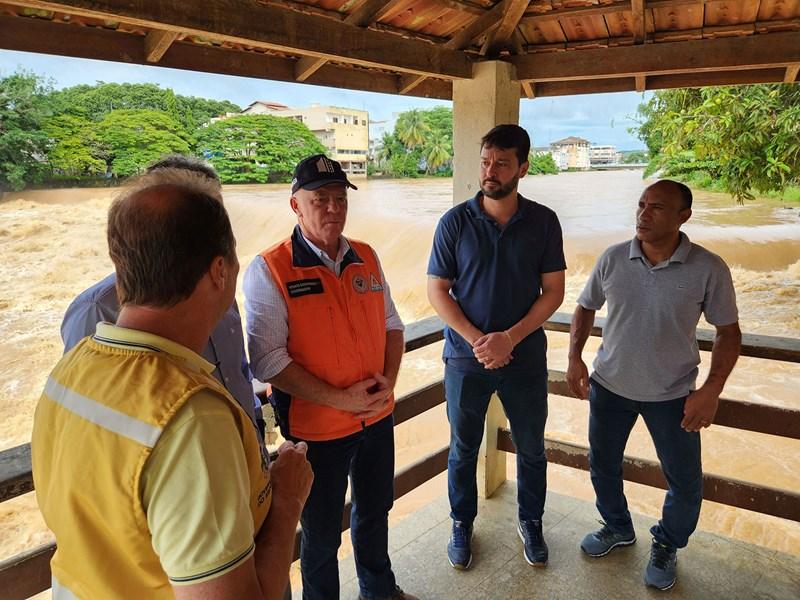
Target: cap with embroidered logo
{"points": [[318, 170]]}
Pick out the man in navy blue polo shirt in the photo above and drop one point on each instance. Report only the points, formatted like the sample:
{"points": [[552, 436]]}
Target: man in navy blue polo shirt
{"points": [[496, 274]]}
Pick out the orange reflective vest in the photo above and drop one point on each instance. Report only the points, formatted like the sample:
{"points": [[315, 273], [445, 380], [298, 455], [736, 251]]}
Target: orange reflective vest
{"points": [[337, 331]]}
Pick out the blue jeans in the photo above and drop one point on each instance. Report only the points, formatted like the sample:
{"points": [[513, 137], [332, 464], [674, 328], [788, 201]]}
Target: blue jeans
{"points": [[611, 418], [368, 458], [524, 399]]}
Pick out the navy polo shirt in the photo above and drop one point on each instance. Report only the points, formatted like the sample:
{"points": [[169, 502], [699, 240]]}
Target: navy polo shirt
{"points": [[496, 274]]}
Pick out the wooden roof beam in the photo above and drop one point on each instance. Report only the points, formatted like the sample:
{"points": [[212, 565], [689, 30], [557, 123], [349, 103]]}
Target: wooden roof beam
{"points": [[254, 24], [501, 34], [156, 43], [659, 82], [46, 37], [363, 16], [752, 52]]}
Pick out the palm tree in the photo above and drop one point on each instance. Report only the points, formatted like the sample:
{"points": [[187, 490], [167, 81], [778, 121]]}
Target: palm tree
{"points": [[437, 152], [411, 128], [384, 151]]}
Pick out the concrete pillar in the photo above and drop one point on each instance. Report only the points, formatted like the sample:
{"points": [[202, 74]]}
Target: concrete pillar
{"points": [[491, 461], [491, 97]]}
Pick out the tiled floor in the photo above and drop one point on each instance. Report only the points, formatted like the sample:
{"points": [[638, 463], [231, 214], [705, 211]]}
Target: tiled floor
{"points": [[710, 567]]}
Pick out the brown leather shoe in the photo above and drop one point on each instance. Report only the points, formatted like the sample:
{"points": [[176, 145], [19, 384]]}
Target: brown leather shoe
{"points": [[398, 595]]}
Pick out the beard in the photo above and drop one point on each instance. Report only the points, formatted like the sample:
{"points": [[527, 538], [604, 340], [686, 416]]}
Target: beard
{"points": [[501, 191]]}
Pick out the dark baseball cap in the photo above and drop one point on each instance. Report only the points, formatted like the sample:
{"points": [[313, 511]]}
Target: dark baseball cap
{"points": [[318, 170]]}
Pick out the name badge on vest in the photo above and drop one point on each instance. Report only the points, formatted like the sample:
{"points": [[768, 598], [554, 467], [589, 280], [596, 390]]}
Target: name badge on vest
{"points": [[304, 287]]}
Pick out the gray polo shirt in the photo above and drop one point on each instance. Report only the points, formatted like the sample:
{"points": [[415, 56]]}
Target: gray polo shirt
{"points": [[649, 351]]}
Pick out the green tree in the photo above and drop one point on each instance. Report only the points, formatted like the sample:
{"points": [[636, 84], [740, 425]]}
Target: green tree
{"points": [[411, 128], [75, 148], [542, 164], [746, 138], [635, 156], [256, 148], [94, 102], [135, 138], [23, 144], [438, 152]]}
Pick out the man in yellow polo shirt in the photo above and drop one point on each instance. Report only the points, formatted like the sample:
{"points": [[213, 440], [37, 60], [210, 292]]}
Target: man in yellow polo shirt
{"points": [[146, 469]]}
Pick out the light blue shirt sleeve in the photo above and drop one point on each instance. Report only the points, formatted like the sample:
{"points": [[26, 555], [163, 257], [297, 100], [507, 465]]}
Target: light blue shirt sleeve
{"points": [[94, 305]]}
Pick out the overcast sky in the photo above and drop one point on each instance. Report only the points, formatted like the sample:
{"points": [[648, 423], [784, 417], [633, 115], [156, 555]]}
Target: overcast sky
{"points": [[599, 118]]}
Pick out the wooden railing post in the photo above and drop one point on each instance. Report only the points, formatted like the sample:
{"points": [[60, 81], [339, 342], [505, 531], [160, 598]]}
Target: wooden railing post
{"points": [[491, 461]]}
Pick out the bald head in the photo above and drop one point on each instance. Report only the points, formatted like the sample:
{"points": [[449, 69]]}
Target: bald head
{"points": [[670, 188], [162, 239]]}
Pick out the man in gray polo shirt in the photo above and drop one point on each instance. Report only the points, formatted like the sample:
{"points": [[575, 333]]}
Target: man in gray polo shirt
{"points": [[656, 285]]}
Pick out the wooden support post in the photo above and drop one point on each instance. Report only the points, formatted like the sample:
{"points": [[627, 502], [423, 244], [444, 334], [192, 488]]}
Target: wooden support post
{"points": [[529, 87], [491, 461], [156, 43], [306, 66], [641, 83], [791, 73]]}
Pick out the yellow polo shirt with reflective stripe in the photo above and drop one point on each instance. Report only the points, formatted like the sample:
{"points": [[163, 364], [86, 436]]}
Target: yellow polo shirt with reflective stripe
{"points": [[146, 469]]}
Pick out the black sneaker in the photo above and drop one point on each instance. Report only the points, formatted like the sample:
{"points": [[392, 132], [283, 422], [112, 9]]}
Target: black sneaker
{"points": [[661, 570], [603, 541], [459, 553], [530, 532]]}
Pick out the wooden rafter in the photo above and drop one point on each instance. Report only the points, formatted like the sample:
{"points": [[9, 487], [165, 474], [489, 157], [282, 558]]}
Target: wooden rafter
{"points": [[363, 16], [533, 16], [156, 43], [502, 32], [474, 30], [258, 25], [639, 21]]}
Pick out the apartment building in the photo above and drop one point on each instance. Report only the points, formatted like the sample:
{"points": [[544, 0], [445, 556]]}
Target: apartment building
{"points": [[343, 131]]}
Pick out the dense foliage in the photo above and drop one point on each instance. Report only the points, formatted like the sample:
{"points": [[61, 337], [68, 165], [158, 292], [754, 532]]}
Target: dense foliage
{"points": [[422, 142], [257, 148], [542, 164], [23, 143], [110, 130], [742, 139]]}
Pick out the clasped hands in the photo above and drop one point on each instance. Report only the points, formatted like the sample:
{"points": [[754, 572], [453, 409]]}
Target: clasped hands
{"points": [[493, 350]]}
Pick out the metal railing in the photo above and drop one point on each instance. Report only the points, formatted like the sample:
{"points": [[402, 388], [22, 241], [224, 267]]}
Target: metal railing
{"points": [[28, 573]]}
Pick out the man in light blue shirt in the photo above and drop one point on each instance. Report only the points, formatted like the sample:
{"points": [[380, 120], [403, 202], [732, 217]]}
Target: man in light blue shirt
{"points": [[225, 347]]}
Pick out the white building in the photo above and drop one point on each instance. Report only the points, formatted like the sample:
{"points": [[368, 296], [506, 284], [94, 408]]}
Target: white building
{"points": [[343, 131]]}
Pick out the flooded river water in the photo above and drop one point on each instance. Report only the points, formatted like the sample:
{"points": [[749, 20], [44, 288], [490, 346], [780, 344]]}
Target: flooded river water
{"points": [[53, 246]]}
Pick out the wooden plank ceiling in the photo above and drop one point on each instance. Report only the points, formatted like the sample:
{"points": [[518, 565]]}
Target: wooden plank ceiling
{"points": [[418, 47]]}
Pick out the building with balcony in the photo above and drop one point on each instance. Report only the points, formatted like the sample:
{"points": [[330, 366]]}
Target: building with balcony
{"points": [[343, 131], [604, 155], [571, 153]]}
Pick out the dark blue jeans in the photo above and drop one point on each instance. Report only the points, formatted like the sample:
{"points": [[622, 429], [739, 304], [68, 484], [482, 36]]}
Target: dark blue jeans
{"points": [[524, 399], [368, 458], [611, 418]]}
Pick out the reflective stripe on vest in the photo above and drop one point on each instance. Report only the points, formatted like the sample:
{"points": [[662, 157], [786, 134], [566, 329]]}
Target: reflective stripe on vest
{"points": [[99, 414]]}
